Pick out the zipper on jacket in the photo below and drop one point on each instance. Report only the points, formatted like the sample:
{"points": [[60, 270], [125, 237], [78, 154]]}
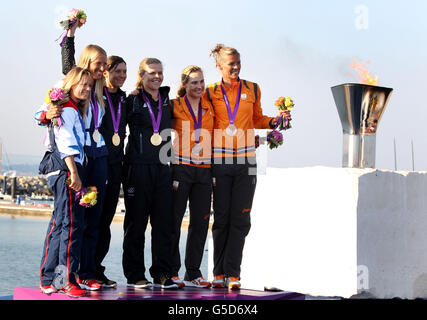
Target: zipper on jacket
{"points": [[140, 142]]}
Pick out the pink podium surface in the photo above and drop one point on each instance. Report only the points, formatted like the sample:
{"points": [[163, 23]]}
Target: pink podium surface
{"points": [[122, 292]]}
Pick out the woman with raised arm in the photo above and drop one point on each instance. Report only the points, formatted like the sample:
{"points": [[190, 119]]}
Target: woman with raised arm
{"points": [[93, 58]]}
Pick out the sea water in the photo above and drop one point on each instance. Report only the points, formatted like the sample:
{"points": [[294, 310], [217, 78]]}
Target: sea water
{"points": [[21, 245]]}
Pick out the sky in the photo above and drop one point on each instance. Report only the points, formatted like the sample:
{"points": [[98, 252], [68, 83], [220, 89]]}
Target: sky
{"points": [[290, 48]]}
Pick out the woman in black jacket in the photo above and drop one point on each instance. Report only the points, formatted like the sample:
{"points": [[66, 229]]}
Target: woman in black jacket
{"points": [[147, 182], [113, 129]]}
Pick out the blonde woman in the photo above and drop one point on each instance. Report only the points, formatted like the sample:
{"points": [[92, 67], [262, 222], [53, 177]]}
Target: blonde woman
{"points": [[193, 121], [93, 58], [147, 181], [237, 107], [64, 238]]}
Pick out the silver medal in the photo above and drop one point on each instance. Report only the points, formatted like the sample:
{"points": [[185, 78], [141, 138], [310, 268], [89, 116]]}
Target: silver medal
{"points": [[96, 136], [231, 130], [197, 150]]}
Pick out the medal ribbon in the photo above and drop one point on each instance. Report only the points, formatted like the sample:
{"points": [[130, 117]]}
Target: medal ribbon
{"points": [[197, 121], [232, 116], [116, 120], [156, 123], [95, 111]]}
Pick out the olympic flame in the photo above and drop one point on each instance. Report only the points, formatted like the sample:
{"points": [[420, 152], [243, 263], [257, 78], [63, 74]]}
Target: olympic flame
{"points": [[364, 73]]}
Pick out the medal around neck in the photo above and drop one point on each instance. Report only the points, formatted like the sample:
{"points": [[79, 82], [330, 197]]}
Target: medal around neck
{"points": [[96, 136], [115, 118], [156, 139], [197, 150], [231, 130], [116, 139]]}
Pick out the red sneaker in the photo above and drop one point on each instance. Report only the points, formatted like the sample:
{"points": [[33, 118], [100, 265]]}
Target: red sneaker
{"points": [[48, 289], [89, 284], [72, 290]]}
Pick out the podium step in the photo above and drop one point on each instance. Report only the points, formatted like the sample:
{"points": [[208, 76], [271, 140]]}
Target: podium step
{"points": [[123, 292]]}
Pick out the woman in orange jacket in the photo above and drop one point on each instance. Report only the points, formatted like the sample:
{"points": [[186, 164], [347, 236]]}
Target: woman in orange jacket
{"points": [[192, 180], [237, 109]]}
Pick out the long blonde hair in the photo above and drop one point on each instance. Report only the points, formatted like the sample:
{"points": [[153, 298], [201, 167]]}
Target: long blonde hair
{"points": [[89, 54], [220, 50], [72, 78], [185, 76], [141, 70]]}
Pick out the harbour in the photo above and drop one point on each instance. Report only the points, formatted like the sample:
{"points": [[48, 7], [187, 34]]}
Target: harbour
{"points": [[22, 236]]}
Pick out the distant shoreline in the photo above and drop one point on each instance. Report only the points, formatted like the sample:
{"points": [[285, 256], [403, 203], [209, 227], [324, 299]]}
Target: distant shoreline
{"points": [[12, 209]]}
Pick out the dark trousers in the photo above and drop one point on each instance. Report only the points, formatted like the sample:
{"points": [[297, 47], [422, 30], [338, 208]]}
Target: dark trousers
{"points": [[233, 191], [148, 195], [64, 236], [95, 174], [109, 207], [194, 185]]}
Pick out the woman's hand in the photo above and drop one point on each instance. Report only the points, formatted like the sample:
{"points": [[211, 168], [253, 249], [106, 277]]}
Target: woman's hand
{"points": [[72, 30], [53, 112], [76, 183]]}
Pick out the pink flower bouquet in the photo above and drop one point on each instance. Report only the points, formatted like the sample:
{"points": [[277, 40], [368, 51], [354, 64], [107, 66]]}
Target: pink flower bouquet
{"points": [[75, 16], [56, 96]]}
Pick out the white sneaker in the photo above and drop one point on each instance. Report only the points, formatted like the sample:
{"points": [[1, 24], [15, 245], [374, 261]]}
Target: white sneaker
{"points": [[232, 282], [199, 282], [178, 281]]}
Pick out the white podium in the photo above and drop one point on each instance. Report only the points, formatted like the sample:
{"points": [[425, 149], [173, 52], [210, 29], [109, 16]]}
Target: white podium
{"points": [[328, 231]]}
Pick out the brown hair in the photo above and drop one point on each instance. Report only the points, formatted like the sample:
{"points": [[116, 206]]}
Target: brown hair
{"points": [[89, 54], [141, 70], [185, 76], [72, 78], [220, 50], [114, 61]]}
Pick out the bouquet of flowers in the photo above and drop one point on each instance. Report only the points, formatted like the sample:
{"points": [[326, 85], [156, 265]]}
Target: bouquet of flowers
{"points": [[275, 137], [75, 16], [56, 96], [88, 196], [284, 104]]}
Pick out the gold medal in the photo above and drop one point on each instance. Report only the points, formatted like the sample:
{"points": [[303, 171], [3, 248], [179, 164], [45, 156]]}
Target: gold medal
{"points": [[156, 139], [96, 136], [231, 130], [116, 139]]}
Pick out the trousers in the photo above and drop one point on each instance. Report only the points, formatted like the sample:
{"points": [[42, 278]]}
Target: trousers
{"points": [[148, 197], [64, 236], [109, 207], [95, 174], [233, 191], [192, 185]]}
